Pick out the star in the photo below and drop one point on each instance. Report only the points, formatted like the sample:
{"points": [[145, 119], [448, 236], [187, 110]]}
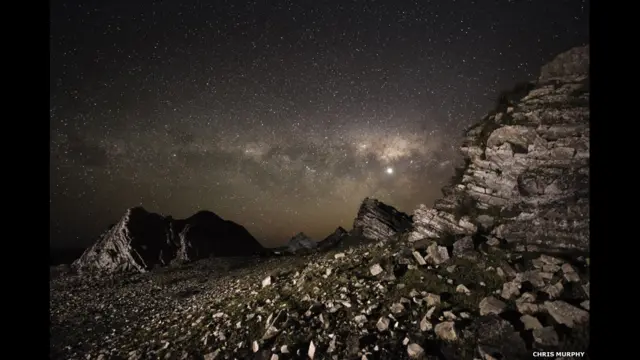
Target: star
{"points": [[389, 170]]}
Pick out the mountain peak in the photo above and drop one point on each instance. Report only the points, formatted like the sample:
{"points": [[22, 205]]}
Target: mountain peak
{"points": [[142, 240]]}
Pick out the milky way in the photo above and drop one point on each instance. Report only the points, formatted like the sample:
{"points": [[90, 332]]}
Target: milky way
{"points": [[282, 118]]}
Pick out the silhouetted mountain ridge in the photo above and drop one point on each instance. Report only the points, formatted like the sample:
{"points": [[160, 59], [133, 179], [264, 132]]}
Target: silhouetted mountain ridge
{"points": [[142, 240]]}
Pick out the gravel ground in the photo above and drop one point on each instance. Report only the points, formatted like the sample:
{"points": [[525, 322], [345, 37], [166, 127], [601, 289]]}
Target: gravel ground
{"points": [[374, 301]]}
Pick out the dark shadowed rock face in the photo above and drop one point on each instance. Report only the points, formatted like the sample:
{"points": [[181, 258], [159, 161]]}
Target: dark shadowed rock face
{"points": [[378, 221], [142, 240], [333, 240], [526, 174], [206, 234]]}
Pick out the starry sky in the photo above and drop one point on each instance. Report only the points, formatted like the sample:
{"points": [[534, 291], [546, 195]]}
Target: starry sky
{"points": [[279, 115]]}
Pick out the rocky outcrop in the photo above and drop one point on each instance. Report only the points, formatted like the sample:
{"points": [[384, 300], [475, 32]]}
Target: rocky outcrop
{"points": [[378, 221], [334, 239], [142, 240], [137, 242], [525, 179]]}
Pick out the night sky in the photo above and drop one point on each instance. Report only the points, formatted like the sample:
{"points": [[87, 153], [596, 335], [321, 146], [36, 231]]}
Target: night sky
{"points": [[279, 115]]}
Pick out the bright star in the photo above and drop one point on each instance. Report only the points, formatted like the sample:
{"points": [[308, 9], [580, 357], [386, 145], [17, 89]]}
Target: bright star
{"points": [[389, 170]]}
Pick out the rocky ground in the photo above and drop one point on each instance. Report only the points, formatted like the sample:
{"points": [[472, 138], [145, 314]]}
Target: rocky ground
{"points": [[388, 300]]}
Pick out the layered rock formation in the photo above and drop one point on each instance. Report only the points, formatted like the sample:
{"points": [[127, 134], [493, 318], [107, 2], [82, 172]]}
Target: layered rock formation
{"points": [[142, 240], [378, 221], [526, 175]]}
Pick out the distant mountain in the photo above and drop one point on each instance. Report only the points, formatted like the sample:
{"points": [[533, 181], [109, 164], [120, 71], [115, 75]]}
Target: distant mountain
{"points": [[376, 221], [142, 240], [298, 244], [301, 242]]}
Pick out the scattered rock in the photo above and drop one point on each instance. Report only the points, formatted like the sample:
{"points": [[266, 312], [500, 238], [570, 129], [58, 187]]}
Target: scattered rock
{"points": [[432, 299], [585, 304], [554, 291], [360, 319], [397, 308], [446, 331], [585, 287], [510, 289], [462, 246], [498, 335], [463, 289], [437, 254], [449, 315], [312, 350], [376, 269], [383, 324], [425, 325], [430, 312], [530, 322], [565, 313], [546, 336], [419, 258], [491, 305], [507, 269], [415, 351], [526, 304]]}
